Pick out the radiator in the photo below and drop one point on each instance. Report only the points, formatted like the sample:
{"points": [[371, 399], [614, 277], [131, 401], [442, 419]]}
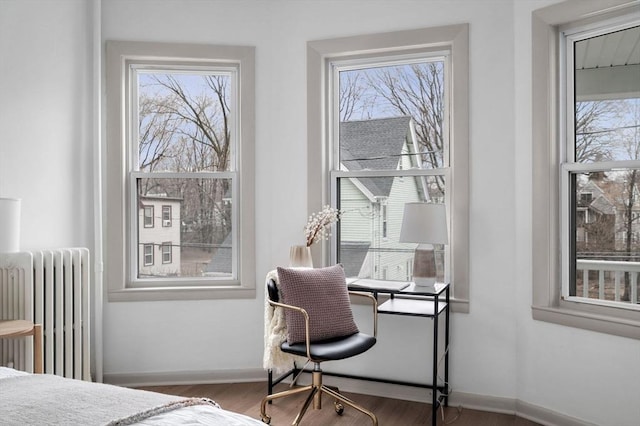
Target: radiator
{"points": [[50, 287]]}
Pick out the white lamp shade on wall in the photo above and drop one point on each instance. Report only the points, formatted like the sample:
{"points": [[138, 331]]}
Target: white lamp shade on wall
{"points": [[424, 223], [9, 225]]}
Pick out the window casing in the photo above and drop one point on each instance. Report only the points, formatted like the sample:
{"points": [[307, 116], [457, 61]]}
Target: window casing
{"points": [[564, 222], [160, 157], [336, 178]]}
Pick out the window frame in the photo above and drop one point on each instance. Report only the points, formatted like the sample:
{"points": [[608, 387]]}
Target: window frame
{"points": [[120, 56], [548, 120], [320, 53]]}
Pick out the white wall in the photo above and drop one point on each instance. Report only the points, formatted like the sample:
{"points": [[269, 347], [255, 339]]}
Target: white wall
{"points": [[46, 153], [497, 350]]}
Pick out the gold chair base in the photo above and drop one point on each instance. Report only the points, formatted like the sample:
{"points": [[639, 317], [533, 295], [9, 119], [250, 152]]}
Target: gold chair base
{"points": [[315, 389]]}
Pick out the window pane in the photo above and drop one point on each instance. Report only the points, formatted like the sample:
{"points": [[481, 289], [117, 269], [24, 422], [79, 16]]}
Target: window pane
{"points": [[606, 235], [607, 108], [184, 121], [369, 227], [200, 230], [392, 117]]}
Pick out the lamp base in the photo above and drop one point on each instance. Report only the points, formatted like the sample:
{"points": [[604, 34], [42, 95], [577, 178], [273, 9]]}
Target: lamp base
{"points": [[425, 282]]}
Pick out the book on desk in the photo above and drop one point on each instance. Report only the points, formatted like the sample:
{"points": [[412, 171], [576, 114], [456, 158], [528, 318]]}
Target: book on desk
{"points": [[369, 284]]}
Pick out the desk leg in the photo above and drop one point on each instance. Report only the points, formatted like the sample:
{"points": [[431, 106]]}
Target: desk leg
{"points": [[434, 391], [446, 348]]}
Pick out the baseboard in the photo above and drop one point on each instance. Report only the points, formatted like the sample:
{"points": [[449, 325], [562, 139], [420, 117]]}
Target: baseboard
{"points": [[493, 404], [516, 407], [185, 377], [547, 417]]}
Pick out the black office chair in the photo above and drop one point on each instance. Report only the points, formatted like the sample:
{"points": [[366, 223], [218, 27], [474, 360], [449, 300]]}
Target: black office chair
{"points": [[318, 351]]}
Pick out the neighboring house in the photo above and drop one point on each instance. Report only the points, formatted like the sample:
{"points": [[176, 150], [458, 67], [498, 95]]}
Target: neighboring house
{"points": [[602, 217], [159, 236], [595, 218], [373, 207]]}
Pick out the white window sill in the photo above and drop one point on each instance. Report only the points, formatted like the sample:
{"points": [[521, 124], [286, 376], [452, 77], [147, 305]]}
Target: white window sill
{"points": [[181, 293], [624, 327]]}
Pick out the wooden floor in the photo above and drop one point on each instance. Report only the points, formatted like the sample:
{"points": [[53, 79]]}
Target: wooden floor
{"points": [[245, 398]]}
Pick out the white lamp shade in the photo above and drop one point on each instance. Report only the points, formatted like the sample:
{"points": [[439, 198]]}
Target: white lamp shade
{"points": [[424, 223], [9, 225]]}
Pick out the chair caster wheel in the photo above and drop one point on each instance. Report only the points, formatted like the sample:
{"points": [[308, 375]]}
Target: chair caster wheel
{"points": [[266, 419], [339, 408]]}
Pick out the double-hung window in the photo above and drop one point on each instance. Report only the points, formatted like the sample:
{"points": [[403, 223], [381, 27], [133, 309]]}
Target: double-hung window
{"points": [[166, 216], [586, 192], [180, 131], [600, 168], [395, 117], [148, 254], [166, 252], [148, 217]]}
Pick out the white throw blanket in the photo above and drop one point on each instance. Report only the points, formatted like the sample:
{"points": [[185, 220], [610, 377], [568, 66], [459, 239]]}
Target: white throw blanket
{"points": [[275, 332], [45, 399]]}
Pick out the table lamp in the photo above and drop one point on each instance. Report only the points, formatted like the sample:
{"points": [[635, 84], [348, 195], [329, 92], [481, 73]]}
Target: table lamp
{"points": [[425, 224], [9, 225]]}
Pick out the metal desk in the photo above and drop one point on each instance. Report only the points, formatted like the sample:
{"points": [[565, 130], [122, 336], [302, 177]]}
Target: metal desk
{"points": [[418, 301], [410, 300]]}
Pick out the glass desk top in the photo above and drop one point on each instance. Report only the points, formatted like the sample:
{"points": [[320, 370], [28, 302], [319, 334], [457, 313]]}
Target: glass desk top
{"points": [[408, 288]]}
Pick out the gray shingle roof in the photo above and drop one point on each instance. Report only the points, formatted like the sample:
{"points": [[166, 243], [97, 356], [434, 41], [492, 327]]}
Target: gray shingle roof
{"points": [[603, 205], [222, 259], [373, 145], [352, 255]]}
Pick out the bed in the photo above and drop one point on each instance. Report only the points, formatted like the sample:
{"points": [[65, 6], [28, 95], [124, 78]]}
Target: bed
{"points": [[37, 399]]}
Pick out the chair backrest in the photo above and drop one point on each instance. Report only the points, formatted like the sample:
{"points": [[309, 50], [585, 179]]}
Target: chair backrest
{"points": [[272, 289]]}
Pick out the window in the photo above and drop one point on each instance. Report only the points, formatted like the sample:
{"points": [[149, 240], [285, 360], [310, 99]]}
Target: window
{"points": [[148, 216], [381, 151], [183, 117], [166, 216], [586, 158], [148, 254], [384, 220], [601, 157], [166, 252]]}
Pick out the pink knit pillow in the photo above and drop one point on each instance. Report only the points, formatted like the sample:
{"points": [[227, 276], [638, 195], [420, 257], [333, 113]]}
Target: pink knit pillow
{"points": [[322, 292]]}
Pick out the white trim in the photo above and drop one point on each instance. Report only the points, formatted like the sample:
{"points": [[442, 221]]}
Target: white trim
{"points": [[185, 377], [98, 290]]}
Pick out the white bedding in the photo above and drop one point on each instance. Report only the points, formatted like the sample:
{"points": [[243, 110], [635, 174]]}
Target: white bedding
{"points": [[28, 399]]}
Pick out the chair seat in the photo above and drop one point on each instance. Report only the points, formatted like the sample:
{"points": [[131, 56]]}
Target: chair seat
{"points": [[332, 349]]}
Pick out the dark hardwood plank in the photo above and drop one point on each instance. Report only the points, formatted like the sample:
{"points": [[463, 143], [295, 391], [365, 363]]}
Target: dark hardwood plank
{"points": [[245, 398]]}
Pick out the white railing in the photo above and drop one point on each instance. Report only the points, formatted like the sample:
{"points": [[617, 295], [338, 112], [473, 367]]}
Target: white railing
{"points": [[604, 283]]}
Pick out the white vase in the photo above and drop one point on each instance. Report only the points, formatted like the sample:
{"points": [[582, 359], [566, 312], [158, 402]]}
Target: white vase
{"points": [[9, 225], [300, 256]]}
